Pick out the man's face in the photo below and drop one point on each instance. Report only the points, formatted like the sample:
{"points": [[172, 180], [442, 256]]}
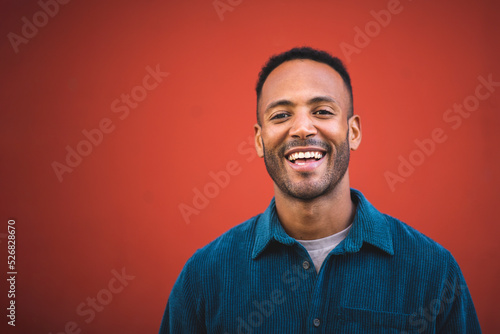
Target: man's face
{"points": [[305, 136]]}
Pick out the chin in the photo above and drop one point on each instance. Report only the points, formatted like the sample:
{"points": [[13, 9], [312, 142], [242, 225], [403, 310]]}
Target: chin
{"points": [[306, 193]]}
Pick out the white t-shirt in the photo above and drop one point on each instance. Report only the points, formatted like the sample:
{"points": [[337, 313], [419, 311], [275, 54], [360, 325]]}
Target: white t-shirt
{"points": [[318, 249]]}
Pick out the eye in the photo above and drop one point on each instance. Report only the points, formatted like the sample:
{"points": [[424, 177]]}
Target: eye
{"points": [[279, 116], [323, 112]]}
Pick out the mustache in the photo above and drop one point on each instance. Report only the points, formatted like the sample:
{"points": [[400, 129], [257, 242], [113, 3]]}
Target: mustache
{"points": [[305, 142]]}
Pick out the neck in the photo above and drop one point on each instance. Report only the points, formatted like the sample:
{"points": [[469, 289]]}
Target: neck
{"points": [[318, 218]]}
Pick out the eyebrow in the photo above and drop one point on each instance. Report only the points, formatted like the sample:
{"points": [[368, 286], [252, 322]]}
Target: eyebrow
{"points": [[280, 103], [288, 103], [319, 99]]}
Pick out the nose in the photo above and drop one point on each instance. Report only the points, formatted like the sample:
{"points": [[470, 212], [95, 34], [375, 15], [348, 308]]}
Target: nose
{"points": [[303, 126]]}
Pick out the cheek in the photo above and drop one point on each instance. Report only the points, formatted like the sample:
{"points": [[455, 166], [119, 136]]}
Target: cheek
{"points": [[276, 133], [335, 132], [272, 139]]}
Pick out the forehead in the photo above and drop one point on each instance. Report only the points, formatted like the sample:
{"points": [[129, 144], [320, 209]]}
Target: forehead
{"points": [[300, 80]]}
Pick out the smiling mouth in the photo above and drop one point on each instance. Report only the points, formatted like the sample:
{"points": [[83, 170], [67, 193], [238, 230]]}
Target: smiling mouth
{"points": [[302, 158]]}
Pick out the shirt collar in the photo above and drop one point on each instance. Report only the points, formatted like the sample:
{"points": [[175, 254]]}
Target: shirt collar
{"points": [[369, 225]]}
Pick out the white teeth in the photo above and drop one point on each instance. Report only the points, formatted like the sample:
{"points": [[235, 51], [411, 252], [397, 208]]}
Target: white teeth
{"points": [[305, 155]]}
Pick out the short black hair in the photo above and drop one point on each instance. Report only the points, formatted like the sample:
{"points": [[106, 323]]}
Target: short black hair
{"points": [[304, 52]]}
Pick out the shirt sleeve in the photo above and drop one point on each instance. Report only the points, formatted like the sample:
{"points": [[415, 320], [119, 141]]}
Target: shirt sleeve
{"points": [[457, 313], [183, 314]]}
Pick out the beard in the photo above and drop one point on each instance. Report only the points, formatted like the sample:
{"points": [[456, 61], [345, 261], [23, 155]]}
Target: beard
{"points": [[310, 187]]}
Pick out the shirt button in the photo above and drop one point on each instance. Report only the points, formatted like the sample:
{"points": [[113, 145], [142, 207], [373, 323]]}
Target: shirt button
{"points": [[306, 265], [316, 322]]}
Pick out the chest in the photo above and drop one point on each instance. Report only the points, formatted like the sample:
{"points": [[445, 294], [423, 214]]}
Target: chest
{"points": [[284, 294]]}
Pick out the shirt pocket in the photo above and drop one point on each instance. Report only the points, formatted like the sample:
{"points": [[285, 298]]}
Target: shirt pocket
{"points": [[358, 321]]}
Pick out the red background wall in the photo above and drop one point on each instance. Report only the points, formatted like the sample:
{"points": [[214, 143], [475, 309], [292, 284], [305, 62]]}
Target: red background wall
{"points": [[120, 206]]}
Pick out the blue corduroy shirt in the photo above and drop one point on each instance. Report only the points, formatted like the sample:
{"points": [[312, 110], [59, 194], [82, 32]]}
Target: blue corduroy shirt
{"points": [[384, 277]]}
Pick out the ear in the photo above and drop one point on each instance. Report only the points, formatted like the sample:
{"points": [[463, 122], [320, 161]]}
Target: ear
{"points": [[354, 132], [259, 146]]}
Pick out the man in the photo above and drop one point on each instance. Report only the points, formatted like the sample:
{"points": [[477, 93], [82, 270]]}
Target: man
{"points": [[321, 258]]}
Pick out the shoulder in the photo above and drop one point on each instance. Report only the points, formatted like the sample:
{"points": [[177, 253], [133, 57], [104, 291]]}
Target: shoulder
{"points": [[417, 248], [234, 244]]}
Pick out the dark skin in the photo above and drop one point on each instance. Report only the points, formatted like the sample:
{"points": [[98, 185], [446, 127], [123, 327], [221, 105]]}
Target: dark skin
{"points": [[304, 107]]}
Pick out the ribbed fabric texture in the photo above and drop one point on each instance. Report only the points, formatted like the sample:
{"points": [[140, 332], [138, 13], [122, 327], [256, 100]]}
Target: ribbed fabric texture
{"points": [[384, 277]]}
